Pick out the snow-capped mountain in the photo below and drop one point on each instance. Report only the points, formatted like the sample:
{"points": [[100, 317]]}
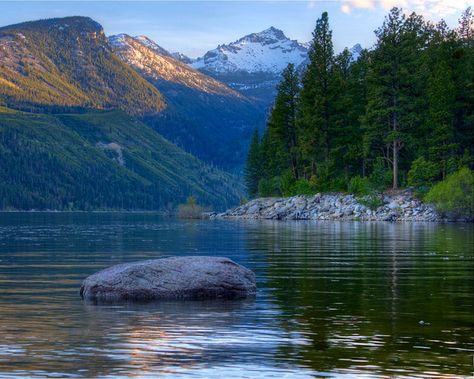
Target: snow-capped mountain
{"points": [[355, 51], [156, 63], [203, 116], [253, 64], [269, 51]]}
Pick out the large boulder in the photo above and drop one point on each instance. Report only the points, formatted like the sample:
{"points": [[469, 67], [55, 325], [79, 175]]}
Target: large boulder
{"points": [[188, 278]]}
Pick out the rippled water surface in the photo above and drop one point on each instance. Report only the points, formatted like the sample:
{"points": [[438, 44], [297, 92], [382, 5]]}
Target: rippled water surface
{"points": [[348, 300]]}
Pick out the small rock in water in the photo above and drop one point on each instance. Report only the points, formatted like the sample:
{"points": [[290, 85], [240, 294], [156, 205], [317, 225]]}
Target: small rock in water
{"points": [[187, 278]]}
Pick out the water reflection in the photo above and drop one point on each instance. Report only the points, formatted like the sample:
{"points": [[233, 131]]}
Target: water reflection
{"points": [[335, 300]]}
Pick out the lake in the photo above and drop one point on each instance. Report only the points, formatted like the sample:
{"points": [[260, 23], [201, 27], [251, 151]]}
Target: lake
{"points": [[343, 300]]}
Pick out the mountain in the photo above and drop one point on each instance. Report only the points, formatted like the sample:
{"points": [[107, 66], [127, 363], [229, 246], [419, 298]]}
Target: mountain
{"points": [[72, 131], [183, 58], [252, 65], [100, 160], [268, 51], [67, 62], [356, 51], [203, 116]]}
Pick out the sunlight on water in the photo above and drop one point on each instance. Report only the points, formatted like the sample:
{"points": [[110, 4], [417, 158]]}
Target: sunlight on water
{"points": [[335, 300]]}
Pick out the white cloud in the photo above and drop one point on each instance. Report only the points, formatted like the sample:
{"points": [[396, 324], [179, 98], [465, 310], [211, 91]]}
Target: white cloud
{"points": [[430, 8]]}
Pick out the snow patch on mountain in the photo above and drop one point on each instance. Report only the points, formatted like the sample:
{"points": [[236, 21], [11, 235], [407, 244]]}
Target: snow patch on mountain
{"points": [[268, 51], [156, 63]]}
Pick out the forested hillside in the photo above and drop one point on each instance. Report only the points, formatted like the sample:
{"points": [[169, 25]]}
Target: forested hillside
{"points": [[71, 128], [62, 63], [400, 115], [100, 160]]}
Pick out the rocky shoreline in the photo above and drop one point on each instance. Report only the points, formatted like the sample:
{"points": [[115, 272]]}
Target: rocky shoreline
{"points": [[395, 206]]}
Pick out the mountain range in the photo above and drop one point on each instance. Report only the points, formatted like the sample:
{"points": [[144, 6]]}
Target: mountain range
{"points": [[95, 122], [252, 65], [200, 112], [76, 128]]}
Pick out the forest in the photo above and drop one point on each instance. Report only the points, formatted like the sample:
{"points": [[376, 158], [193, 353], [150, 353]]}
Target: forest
{"points": [[399, 115]]}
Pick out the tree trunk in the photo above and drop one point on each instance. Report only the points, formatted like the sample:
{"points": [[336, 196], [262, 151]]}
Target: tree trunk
{"points": [[395, 164]]}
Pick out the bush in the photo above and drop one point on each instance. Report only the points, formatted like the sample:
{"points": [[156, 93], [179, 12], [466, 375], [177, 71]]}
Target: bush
{"points": [[360, 186], [303, 187], [422, 175], [380, 177], [454, 194], [190, 210], [287, 183], [372, 201]]}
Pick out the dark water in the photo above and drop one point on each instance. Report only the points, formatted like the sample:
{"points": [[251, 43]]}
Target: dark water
{"points": [[348, 300]]}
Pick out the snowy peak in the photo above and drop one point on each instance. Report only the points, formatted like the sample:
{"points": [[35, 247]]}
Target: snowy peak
{"points": [[266, 37], [355, 51], [157, 64], [268, 51]]}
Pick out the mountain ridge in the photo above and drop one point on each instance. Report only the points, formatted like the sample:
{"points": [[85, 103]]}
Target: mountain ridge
{"points": [[201, 112], [67, 62]]}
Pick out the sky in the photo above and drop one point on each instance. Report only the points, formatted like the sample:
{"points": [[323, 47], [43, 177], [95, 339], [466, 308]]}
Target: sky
{"points": [[194, 27]]}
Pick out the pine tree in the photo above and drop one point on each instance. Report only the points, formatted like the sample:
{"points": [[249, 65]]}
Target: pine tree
{"points": [[348, 103], [253, 170], [441, 94], [394, 88], [314, 106], [464, 82], [281, 131]]}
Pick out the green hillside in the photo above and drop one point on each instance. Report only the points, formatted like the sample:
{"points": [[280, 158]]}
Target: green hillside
{"points": [[66, 62], [99, 160]]}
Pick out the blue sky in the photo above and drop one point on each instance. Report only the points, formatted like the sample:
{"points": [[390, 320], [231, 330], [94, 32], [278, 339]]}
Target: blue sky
{"points": [[193, 27]]}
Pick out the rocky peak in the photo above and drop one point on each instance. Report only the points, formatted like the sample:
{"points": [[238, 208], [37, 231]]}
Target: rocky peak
{"points": [[268, 51], [266, 37], [356, 50], [148, 42]]}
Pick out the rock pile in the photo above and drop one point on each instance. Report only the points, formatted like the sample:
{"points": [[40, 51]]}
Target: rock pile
{"points": [[397, 206]]}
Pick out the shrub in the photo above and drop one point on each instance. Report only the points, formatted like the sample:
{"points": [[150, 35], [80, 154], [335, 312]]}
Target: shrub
{"points": [[372, 201], [287, 183], [422, 175], [303, 187], [360, 186], [380, 177], [190, 210], [454, 194]]}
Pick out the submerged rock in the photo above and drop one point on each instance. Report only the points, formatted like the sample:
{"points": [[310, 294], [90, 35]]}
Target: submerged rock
{"points": [[187, 278]]}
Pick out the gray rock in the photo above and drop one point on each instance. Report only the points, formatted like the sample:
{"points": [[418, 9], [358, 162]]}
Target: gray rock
{"points": [[190, 278]]}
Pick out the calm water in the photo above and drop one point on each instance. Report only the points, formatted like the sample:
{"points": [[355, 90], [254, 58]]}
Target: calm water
{"points": [[348, 300]]}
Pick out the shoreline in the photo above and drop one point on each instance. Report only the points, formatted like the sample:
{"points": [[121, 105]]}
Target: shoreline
{"points": [[400, 206]]}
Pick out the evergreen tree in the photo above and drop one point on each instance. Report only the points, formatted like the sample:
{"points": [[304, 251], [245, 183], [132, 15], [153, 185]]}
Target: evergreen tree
{"points": [[348, 103], [253, 169], [314, 106], [394, 88], [463, 58], [440, 116], [280, 136]]}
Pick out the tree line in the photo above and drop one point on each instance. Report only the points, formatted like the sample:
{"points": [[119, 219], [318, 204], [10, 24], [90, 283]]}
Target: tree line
{"points": [[400, 114]]}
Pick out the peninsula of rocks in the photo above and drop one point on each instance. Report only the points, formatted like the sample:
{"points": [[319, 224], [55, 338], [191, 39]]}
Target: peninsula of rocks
{"points": [[395, 206]]}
